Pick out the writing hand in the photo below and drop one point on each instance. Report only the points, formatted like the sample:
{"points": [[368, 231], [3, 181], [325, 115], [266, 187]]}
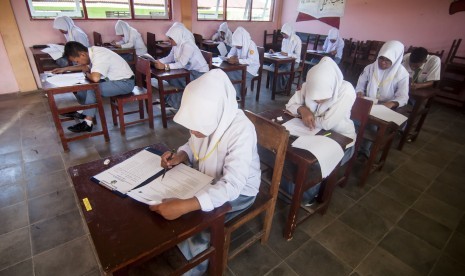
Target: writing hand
{"points": [[176, 158], [284, 53], [158, 64], [233, 60], [307, 117], [271, 51]]}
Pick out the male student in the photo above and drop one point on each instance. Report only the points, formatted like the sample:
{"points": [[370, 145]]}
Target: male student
{"points": [[101, 65], [423, 69]]}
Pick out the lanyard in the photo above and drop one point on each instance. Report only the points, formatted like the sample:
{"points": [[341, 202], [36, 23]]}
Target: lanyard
{"points": [[196, 155]]}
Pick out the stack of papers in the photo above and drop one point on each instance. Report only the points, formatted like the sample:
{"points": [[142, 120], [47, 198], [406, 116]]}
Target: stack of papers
{"points": [[67, 79], [296, 127], [54, 50], [386, 114], [276, 55]]}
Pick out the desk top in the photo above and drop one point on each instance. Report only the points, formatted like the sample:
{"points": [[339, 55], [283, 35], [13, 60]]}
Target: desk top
{"points": [[226, 66], [48, 86], [38, 51], [173, 73], [124, 230], [278, 60]]}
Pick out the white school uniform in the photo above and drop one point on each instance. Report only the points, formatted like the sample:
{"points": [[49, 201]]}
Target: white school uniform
{"points": [[132, 38], [429, 71], [109, 64], [227, 34], [229, 152], [391, 84], [292, 45], [328, 46], [75, 33], [249, 52]]}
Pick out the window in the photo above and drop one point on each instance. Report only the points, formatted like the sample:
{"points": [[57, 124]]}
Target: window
{"points": [[240, 10], [100, 9]]}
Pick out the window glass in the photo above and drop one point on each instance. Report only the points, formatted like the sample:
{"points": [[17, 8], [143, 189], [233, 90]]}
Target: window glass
{"points": [[153, 9], [108, 9], [261, 10], [210, 10], [54, 8], [238, 10]]}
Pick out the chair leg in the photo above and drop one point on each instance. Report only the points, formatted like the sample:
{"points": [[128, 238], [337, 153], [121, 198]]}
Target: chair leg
{"points": [[141, 109], [267, 222], [113, 104], [259, 85], [121, 117], [149, 106], [268, 80], [227, 241]]}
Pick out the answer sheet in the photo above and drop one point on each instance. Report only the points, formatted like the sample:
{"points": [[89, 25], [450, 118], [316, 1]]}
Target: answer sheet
{"points": [[297, 128], [67, 79], [382, 112]]}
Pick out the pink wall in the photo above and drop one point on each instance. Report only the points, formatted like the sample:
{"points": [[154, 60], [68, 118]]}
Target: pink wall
{"points": [[7, 78], [414, 22]]}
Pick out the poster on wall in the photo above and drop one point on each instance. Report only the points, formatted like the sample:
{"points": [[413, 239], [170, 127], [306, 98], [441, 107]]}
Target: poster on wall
{"points": [[322, 8]]}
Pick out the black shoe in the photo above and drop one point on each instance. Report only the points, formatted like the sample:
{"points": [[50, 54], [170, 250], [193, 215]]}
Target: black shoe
{"points": [[81, 127], [311, 202], [238, 99], [74, 115]]}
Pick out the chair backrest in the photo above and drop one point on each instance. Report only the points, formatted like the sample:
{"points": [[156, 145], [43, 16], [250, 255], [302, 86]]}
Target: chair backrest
{"points": [[97, 39], [198, 40], [360, 112], [303, 53], [151, 44], [143, 74], [208, 56], [453, 51], [320, 41], [261, 56]]}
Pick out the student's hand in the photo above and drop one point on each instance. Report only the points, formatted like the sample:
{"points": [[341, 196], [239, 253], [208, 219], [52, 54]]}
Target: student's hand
{"points": [[58, 70], [413, 86], [233, 60], [271, 51], [333, 53], [85, 68], [391, 104], [113, 43], [359, 94], [173, 208], [177, 158], [159, 65], [307, 116], [284, 53]]}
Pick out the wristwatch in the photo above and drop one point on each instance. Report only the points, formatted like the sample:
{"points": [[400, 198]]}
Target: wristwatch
{"points": [[167, 67]]}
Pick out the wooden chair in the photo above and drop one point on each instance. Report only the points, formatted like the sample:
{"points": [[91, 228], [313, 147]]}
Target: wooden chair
{"points": [[142, 93], [266, 37], [453, 51], [299, 71], [320, 40], [97, 39], [272, 138], [198, 40], [208, 56], [258, 78], [152, 48]]}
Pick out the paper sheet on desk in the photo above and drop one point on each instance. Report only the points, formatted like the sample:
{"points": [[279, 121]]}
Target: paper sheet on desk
{"points": [[382, 112], [297, 128], [54, 50], [222, 49], [67, 79], [180, 182], [276, 55], [328, 152]]}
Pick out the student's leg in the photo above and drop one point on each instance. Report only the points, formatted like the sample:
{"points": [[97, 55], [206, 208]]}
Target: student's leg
{"points": [[282, 79], [127, 57], [236, 75], [198, 243]]}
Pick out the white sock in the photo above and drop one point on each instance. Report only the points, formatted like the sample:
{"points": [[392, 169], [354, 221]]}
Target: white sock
{"points": [[88, 122]]}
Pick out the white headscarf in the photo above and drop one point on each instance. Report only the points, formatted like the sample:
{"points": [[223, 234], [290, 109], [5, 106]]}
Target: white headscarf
{"points": [[227, 33], [394, 51], [287, 29], [187, 35], [208, 106], [241, 38], [224, 27], [65, 23], [331, 46], [324, 81], [180, 35], [123, 28]]}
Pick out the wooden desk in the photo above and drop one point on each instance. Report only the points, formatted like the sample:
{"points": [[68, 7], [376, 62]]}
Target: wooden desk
{"points": [[303, 169], [165, 48], [210, 45], [227, 67], [126, 232], [59, 105], [162, 75], [277, 62]]}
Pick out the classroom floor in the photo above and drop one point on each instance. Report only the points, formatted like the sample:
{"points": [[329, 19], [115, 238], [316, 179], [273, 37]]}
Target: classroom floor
{"points": [[408, 220]]}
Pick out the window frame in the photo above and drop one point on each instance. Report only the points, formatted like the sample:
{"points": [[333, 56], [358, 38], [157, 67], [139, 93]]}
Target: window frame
{"points": [[225, 16], [169, 5]]}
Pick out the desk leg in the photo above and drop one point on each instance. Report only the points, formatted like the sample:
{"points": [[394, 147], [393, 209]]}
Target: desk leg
{"points": [[291, 223], [53, 108], [216, 266], [101, 112], [275, 77], [161, 93], [243, 86]]}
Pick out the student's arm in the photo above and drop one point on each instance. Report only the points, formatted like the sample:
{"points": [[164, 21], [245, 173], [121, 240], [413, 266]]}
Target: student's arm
{"points": [[215, 36], [75, 68], [94, 76], [336, 113], [400, 94], [169, 58], [362, 82], [252, 58], [232, 52], [296, 101], [187, 52], [422, 85], [131, 41], [173, 208], [339, 48]]}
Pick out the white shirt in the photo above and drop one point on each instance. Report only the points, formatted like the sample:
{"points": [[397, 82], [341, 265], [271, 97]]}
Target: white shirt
{"points": [[328, 46], [251, 57], [135, 41], [395, 90], [109, 64], [293, 47], [336, 118], [241, 169], [191, 58], [429, 71]]}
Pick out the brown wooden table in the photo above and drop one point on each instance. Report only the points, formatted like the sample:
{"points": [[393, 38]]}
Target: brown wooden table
{"points": [[210, 45], [163, 75], [125, 232], [303, 169], [58, 100], [277, 62], [165, 48], [228, 67]]}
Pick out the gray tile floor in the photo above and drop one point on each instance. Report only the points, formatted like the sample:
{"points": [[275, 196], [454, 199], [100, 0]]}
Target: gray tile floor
{"points": [[408, 219]]}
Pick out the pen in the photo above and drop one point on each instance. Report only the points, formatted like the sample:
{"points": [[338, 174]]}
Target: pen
{"points": [[327, 134], [169, 158]]}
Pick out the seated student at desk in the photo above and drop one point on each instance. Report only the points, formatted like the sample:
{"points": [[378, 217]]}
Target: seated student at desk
{"points": [[131, 39], [223, 34], [101, 65], [385, 81], [71, 32], [292, 47], [223, 144], [325, 101], [244, 51], [423, 69], [334, 45], [184, 54]]}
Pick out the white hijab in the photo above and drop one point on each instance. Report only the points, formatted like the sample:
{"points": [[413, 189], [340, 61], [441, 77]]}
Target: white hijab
{"points": [[187, 35], [332, 34], [180, 35], [227, 33], [208, 106], [394, 51], [324, 81], [287, 29], [65, 23], [241, 38], [123, 28]]}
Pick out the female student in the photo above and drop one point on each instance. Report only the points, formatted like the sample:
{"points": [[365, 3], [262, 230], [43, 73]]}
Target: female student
{"points": [[292, 47], [334, 45], [184, 54], [223, 144], [244, 51], [71, 32], [325, 101], [385, 80], [223, 34], [131, 38]]}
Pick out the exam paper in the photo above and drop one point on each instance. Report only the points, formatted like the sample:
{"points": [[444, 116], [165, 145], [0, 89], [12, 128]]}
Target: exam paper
{"points": [[222, 49], [181, 182], [132, 172], [54, 50], [328, 152], [382, 112], [297, 128], [67, 79]]}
